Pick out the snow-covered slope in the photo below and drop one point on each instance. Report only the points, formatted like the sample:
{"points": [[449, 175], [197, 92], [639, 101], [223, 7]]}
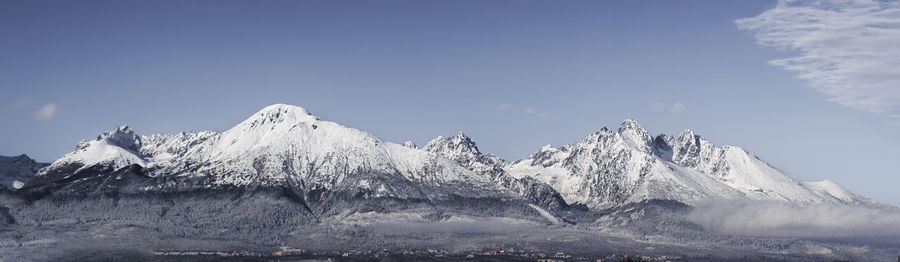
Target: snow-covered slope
{"points": [[734, 167], [829, 190], [117, 148], [610, 168], [15, 171]]}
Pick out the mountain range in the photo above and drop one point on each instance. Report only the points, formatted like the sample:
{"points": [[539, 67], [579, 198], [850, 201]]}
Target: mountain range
{"points": [[284, 145], [317, 171]]}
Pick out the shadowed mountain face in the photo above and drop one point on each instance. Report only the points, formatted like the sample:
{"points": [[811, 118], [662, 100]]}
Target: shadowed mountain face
{"points": [[15, 171]]}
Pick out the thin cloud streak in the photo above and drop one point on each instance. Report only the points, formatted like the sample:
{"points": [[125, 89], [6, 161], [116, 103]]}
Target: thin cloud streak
{"points": [[848, 49]]}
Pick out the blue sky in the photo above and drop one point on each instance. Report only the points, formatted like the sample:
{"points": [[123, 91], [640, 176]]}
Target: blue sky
{"points": [[513, 75]]}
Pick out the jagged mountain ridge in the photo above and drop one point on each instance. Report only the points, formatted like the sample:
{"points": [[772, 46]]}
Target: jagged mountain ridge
{"points": [[283, 145], [611, 168]]}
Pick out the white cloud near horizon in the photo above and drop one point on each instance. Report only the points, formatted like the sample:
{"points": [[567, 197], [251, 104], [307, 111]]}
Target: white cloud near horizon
{"points": [[45, 113], [848, 49]]}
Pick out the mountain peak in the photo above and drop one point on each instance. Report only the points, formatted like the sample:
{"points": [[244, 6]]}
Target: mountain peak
{"points": [[120, 129], [630, 124], [22, 156], [280, 106], [122, 136], [283, 111], [687, 133], [116, 148], [634, 134], [460, 144], [279, 113]]}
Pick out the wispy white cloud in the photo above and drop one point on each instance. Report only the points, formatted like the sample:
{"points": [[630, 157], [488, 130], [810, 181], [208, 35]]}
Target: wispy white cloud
{"points": [[45, 113], [848, 49], [530, 111], [504, 106]]}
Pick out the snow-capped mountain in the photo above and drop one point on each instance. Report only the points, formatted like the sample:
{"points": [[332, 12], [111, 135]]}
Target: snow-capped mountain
{"points": [[15, 171], [117, 148], [280, 146], [286, 175], [285, 146], [611, 168]]}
